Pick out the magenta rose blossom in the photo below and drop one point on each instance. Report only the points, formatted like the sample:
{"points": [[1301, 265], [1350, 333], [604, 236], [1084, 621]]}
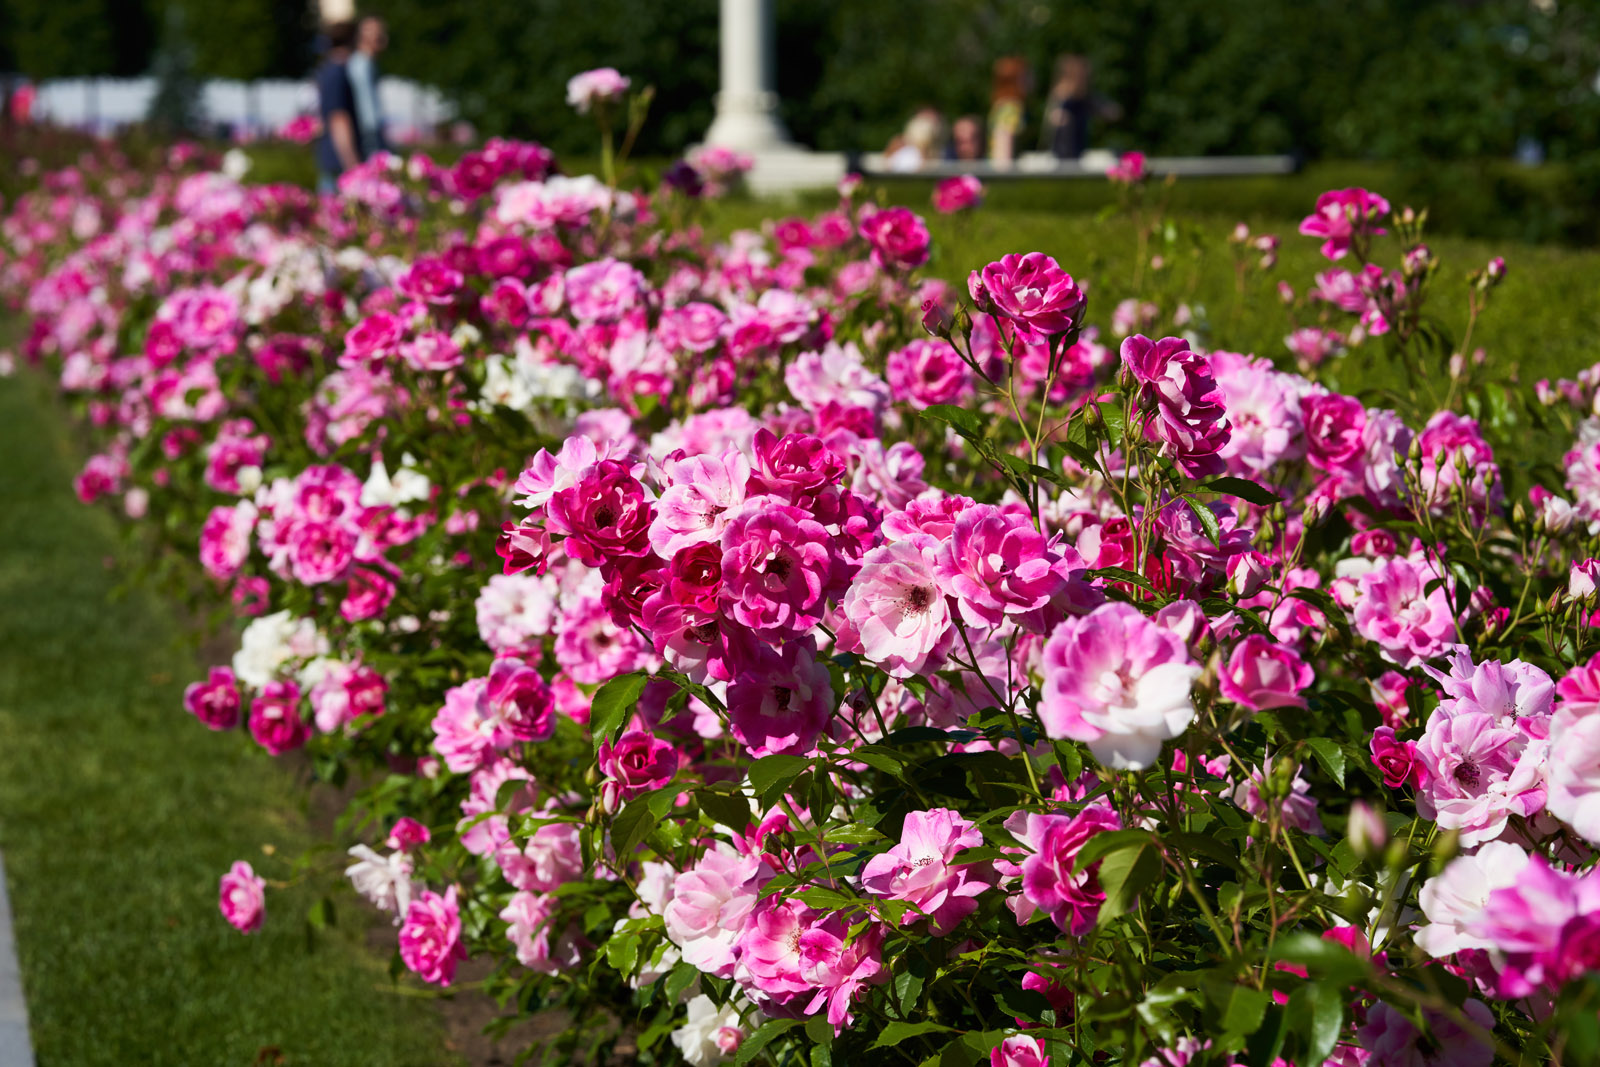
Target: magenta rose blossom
{"points": [[1052, 880], [996, 564], [1261, 674], [1341, 215], [957, 194], [605, 514], [1397, 760], [898, 238], [241, 896], [928, 372], [1019, 1050], [430, 938], [367, 595], [407, 833], [1334, 427], [918, 870], [777, 565], [216, 700], [782, 701], [1185, 410], [637, 762], [1032, 291], [275, 720]]}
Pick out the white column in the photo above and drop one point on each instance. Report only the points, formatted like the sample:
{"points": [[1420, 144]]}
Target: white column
{"points": [[747, 107]]}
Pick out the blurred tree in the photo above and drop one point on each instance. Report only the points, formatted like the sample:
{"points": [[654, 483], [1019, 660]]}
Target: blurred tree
{"points": [[175, 109], [507, 63], [60, 38]]}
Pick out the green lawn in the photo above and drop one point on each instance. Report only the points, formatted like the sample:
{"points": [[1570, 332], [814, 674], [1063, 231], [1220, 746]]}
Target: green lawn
{"points": [[118, 813]]}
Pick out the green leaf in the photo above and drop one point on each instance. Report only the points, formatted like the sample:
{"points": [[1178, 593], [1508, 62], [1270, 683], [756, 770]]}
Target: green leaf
{"points": [[1107, 843], [763, 1035], [1244, 489], [631, 826], [907, 988], [895, 1032], [1321, 957], [852, 834], [771, 775], [1330, 755], [613, 703], [730, 809], [1208, 519], [1235, 1008], [322, 914], [622, 951], [681, 978], [968, 424], [1124, 873], [820, 1030], [1316, 1015]]}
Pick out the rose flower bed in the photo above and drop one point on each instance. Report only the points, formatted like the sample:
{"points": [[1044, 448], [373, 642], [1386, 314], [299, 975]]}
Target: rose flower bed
{"points": [[765, 651]]}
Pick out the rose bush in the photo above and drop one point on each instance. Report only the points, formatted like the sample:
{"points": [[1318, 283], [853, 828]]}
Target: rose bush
{"points": [[761, 651]]}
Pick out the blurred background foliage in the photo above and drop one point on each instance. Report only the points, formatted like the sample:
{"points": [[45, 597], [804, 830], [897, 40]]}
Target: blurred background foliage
{"points": [[1406, 82]]}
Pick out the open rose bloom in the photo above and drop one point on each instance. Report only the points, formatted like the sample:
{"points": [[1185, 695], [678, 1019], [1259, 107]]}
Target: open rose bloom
{"points": [[759, 644]]}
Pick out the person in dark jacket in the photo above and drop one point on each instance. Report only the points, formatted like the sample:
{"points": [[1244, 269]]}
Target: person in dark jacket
{"points": [[339, 147]]}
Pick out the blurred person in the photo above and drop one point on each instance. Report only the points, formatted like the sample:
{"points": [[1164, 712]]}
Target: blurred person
{"points": [[338, 149], [922, 141], [372, 37], [1007, 108], [1071, 107], [966, 138]]}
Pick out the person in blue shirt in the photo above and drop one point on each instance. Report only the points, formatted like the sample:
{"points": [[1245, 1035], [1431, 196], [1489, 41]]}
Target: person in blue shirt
{"points": [[372, 37], [339, 148]]}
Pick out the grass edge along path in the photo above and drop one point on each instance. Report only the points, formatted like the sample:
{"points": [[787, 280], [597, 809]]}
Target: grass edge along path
{"points": [[118, 814]]}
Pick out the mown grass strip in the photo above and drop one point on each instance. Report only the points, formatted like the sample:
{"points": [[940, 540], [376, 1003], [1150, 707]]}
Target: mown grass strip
{"points": [[118, 813]]}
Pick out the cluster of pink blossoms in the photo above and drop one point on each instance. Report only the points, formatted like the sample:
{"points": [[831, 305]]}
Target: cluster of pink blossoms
{"points": [[740, 509]]}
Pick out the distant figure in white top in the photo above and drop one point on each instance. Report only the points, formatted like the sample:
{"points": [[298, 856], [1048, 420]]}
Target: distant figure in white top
{"points": [[922, 142], [372, 37]]}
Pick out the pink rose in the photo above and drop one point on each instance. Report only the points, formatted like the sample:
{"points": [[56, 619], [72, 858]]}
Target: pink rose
{"points": [[1396, 759], [430, 938], [366, 596], [1052, 881], [275, 720], [241, 896], [928, 372], [918, 870], [898, 238], [1341, 216], [1032, 291], [214, 701], [407, 833], [1261, 674], [638, 762], [957, 194], [1018, 1050]]}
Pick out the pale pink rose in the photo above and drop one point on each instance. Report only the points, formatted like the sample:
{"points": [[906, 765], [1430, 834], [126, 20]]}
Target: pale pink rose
{"points": [[1394, 1042], [709, 905], [538, 946], [1018, 1050], [918, 870], [1573, 771], [900, 619], [241, 896], [1455, 898], [1119, 682]]}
